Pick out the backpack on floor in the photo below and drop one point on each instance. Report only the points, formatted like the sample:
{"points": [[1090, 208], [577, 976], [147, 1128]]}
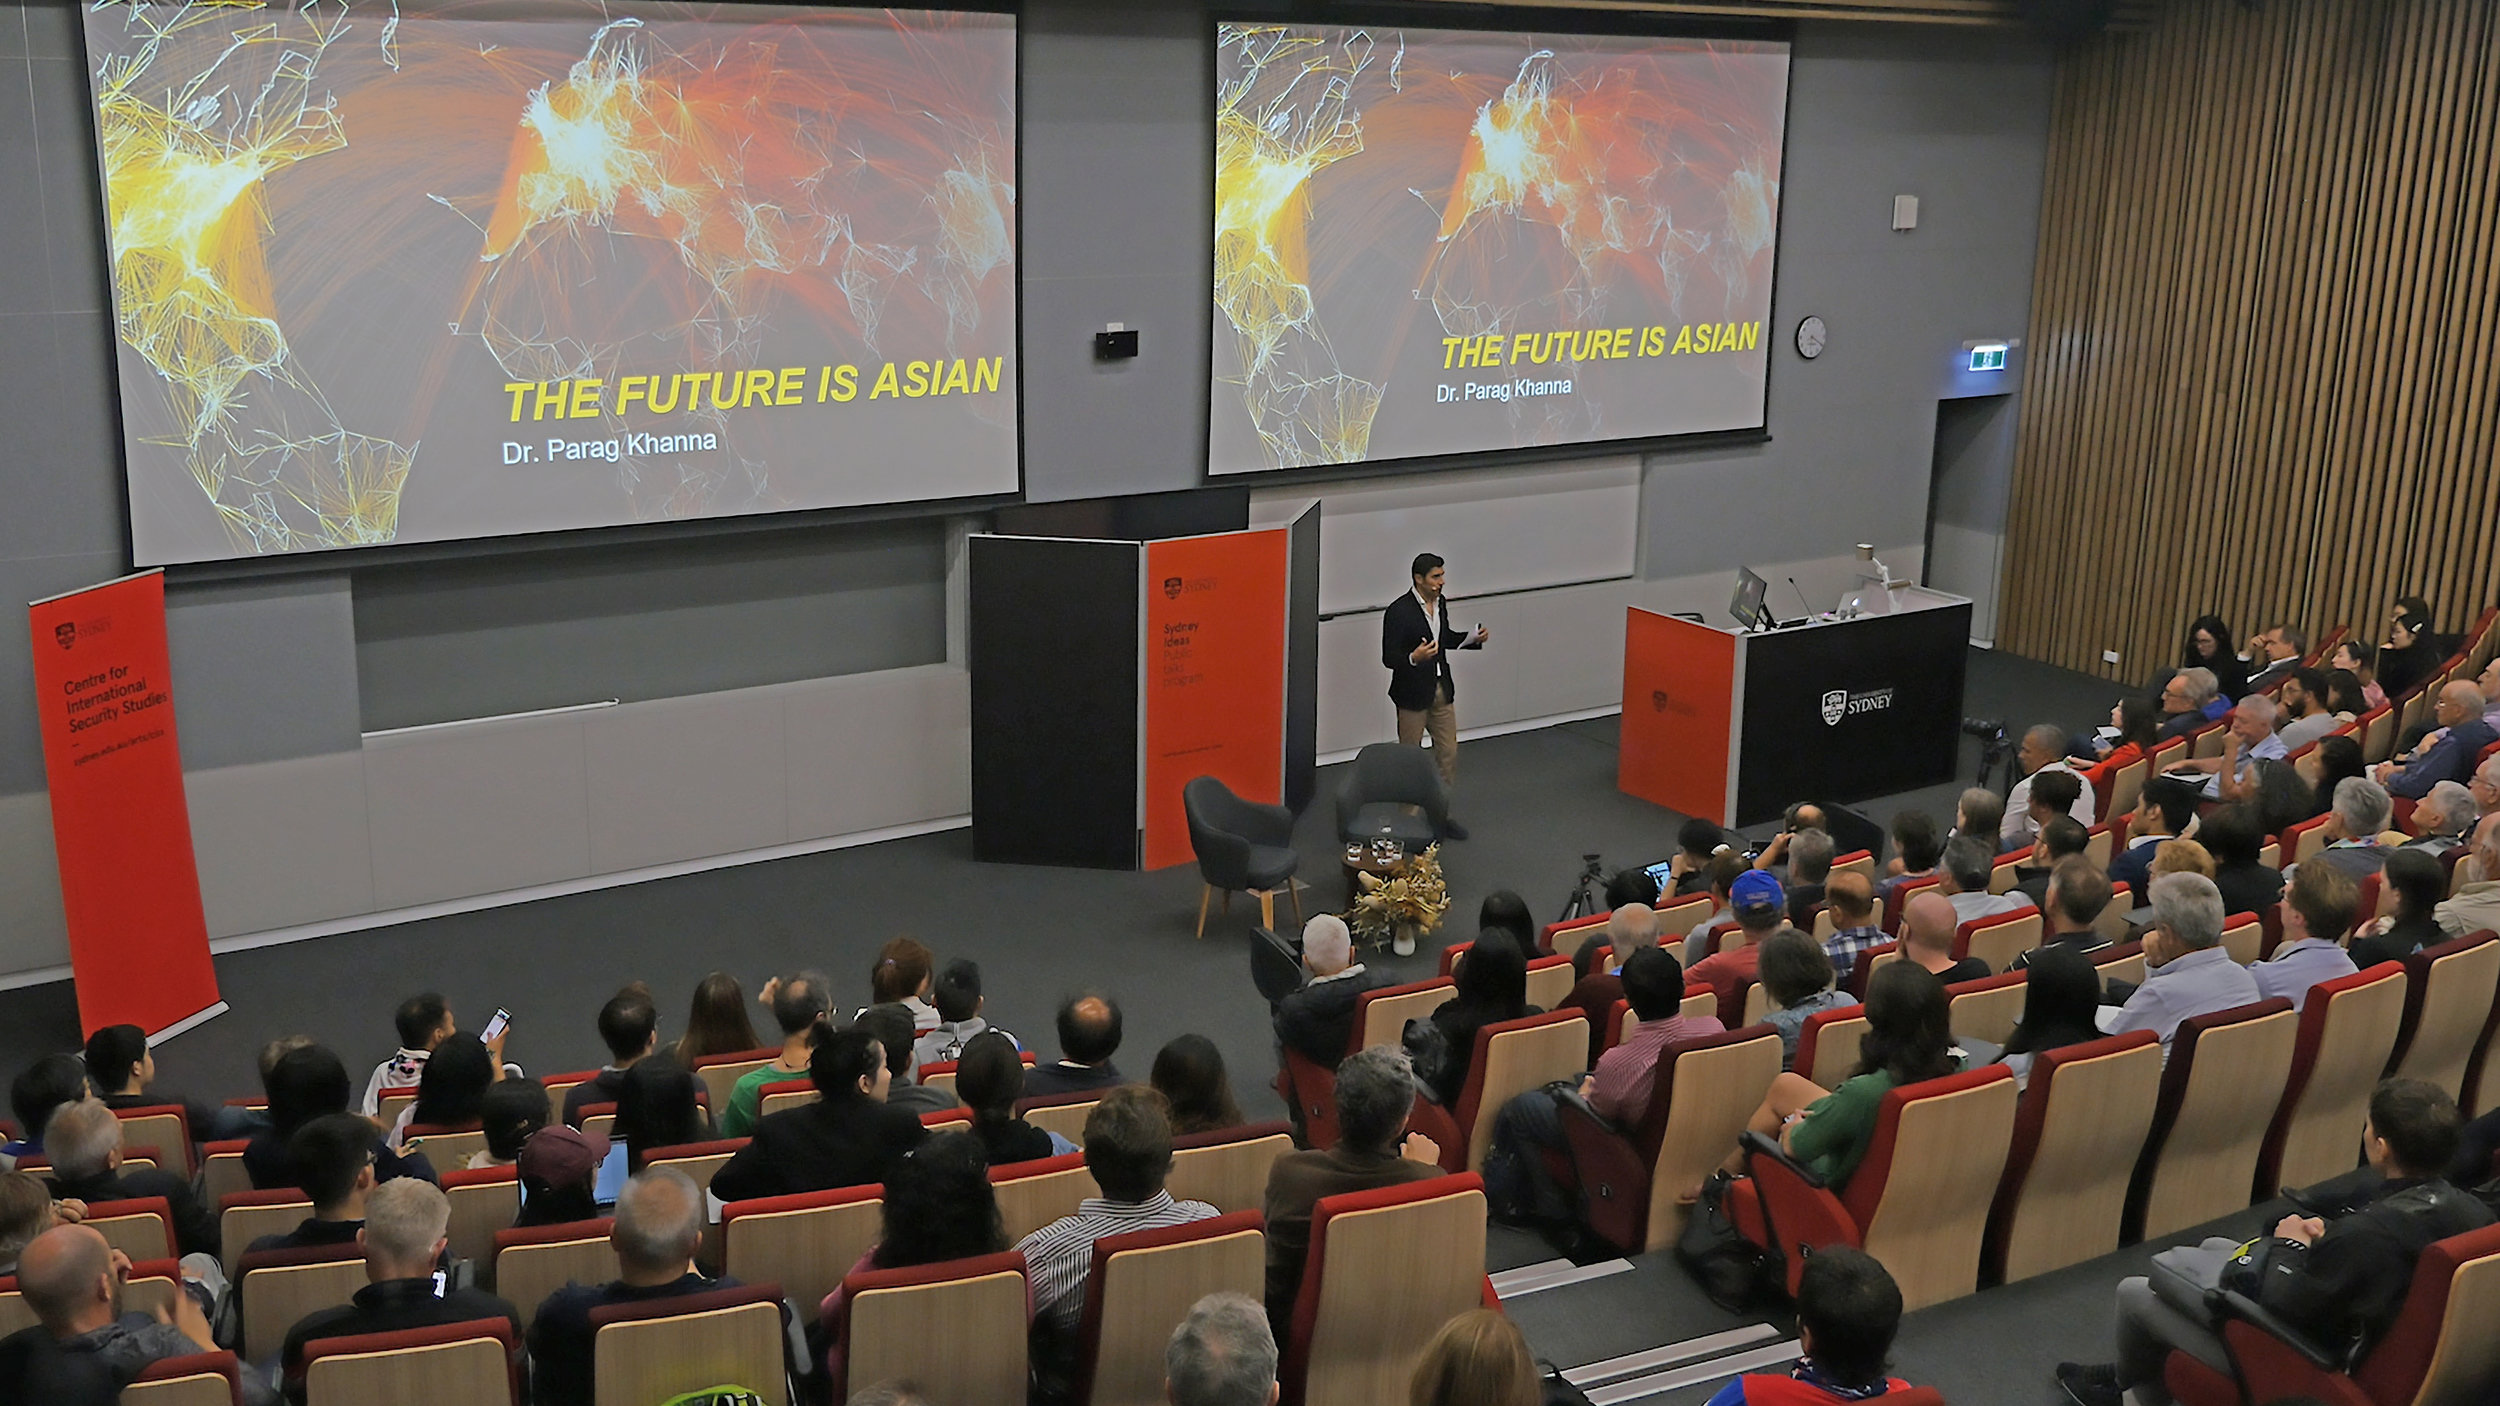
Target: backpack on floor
{"points": [[1733, 1272]]}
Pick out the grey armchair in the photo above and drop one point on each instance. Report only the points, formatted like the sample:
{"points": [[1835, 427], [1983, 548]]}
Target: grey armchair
{"points": [[1386, 779], [1240, 845]]}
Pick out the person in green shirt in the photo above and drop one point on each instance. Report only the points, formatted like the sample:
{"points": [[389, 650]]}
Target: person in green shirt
{"points": [[1909, 1038], [797, 1001]]}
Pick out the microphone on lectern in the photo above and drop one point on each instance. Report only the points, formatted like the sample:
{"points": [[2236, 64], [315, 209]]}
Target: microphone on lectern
{"points": [[1801, 597]]}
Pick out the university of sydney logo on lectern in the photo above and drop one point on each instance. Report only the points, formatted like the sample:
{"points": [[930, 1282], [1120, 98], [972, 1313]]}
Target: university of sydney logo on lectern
{"points": [[1835, 706]]}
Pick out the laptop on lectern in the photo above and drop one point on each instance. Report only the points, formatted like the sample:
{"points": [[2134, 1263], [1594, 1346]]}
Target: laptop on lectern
{"points": [[1747, 606]]}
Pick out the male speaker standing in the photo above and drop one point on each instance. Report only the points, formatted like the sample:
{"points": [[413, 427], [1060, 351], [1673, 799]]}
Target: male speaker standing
{"points": [[1415, 640]]}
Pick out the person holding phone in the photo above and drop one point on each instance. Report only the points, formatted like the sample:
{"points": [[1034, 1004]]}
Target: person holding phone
{"points": [[1416, 638]]}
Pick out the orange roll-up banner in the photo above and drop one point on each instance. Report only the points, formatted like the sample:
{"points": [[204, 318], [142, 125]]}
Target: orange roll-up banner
{"points": [[138, 940], [1215, 675], [1679, 702]]}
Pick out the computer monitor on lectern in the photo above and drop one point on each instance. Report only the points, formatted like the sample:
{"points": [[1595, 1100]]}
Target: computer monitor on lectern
{"points": [[1747, 606]]}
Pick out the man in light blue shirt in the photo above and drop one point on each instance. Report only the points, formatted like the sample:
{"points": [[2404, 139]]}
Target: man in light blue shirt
{"points": [[2190, 973], [2248, 739], [2318, 910]]}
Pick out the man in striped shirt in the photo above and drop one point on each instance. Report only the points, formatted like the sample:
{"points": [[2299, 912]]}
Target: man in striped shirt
{"points": [[1128, 1148], [1852, 901]]}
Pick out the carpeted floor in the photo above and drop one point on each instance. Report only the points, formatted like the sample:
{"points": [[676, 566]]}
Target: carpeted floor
{"points": [[1536, 802]]}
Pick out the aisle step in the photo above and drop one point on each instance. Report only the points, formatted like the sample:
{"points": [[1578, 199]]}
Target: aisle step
{"points": [[1652, 1358], [1718, 1369], [1553, 1274]]}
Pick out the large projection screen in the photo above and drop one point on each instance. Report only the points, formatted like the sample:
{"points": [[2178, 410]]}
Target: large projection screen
{"points": [[1434, 242], [396, 273]]}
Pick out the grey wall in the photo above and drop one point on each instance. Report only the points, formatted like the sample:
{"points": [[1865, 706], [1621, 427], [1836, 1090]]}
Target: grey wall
{"points": [[277, 675]]}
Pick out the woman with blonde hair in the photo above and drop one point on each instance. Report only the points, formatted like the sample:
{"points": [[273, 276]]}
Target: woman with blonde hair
{"points": [[1478, 1358], [2182, 857]]}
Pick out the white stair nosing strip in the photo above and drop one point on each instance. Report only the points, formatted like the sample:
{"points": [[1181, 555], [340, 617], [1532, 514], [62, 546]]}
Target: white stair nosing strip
{"points": [[1699, 1372], [1577, 1274], [1526, 1273], [1670, 1354]]}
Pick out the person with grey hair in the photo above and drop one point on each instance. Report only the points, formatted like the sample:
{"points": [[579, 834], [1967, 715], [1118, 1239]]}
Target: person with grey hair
{"points": [[2043, 748], [406, 1224], [2248, 739], [87, 1166], [2359, 812], [1978, 814], [1317, 1021], [1375, 1093], [2484, 786], [798, 1001], [88, 1344], [2186, 702], [1963, 877], [659, 1222], [1630, 928], [1810, 853], [1222, 1354], [2447, 752], [2476, 903], [2441, 820], [2188, 971]]}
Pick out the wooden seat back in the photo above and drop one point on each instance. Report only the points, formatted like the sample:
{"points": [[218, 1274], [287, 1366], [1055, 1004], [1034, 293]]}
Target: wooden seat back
{"points": [[1380, 1016], [2077, 1135], [279, 1287], [955, 1330], [482, 1202], [1998, 940], [199, 1379], [2449, 998], [1924, 1213], [1141, 1286], [1827, 1048], [245, 1216], [456, 1362], [1063, 1114], [1033, 1194], [652, 1351], [2346, 1032], [2220, 1089], [1512, 1057], [166, 1127], [1386, 1269], [720, 1073], [1710, 1091], [1989, 1008], [532, 1262], [1228, 1169], [805, 1243]]}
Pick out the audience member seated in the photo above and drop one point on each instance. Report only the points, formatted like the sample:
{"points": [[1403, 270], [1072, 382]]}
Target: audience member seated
{"points": [[84, 1348], [1631, 884], [1529, 1126], [629, 1025], [2305, 708], [2166, 810], [1979, 815], [2181, 857], [2041, 754], [2325, 767], [1089, 1035], [122, 1070], [2346, 698], [1797, 978], [1719, 881], [2447, 752], [1492, 979], [2283, 797], [451, 1093], [989, 1078], [2476, 904], [84, 1141], [2060, 838], [1760, 909], [1508, 911], [2412, 651], [1479, 1358], [42, 1087], [2233, 837], [717, 1024], [511, 1111], [310, 1082], [1317, 1021], [28, 1209], [2076, 895], [1189, 1073], [956, 992], [1909, 1038], [1128, 1149], [2359, 660], [1851, 898], [890, 1022], [1629, 929], [2209, 647], [559, 1169], [2061, 1001], [2340, 1286], [2133, 732], [2186, 703], [333, 1161], [1809, 874], [2188, 972], [1375, 1093], [1696, 840], [658, 1106], [1963, 880], [850, 1137], [2275, 654], [901, 974], [2442, 819], [404, 1236], [2247, 739], [423, 1021], [2420, 887], [1928, 924], [798, 1001], [659, 1222], [1222, 1354], [1848, 1309], [1915, 849], [938, 1206], [2353, 828], [2317, 912]]}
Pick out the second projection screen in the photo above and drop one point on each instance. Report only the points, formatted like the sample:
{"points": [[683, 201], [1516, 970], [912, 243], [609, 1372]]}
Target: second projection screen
{"points": [[1433, 242]]}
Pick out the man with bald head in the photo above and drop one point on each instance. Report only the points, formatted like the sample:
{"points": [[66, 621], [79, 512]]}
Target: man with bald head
{"points": [[1317, 1021], [2043, 748], [1629, 929], [86, 1346], [1089, 1035], [1928, 922], [659, 1222], [2476, 904], [2447, 751]]}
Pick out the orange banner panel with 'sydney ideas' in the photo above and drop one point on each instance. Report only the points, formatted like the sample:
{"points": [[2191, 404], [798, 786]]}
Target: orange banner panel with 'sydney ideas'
{"points": [[1215, 675], [1678, 700]]}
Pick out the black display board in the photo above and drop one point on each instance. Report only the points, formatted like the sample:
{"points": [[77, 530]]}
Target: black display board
{"points": [[1052, 637], [1847, 711], [1302, 662]]}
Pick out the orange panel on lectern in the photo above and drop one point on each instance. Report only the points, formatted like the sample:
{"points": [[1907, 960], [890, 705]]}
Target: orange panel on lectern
{"points": [[1215, 675], [1678, 695]]}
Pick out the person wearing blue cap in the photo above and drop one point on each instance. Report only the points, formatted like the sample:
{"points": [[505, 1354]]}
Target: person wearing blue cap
{"points": [[1760, 908]]}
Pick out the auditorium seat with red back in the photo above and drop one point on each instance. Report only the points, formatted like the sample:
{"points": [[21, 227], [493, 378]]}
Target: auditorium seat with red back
{"points": [[1512, 1057], [2081, 1123], [468, 1363], [2449, 993], [1637, 1183], [1142, 1285], [197, 1379], [1385, 1270], [2346, 1032], [955, 1329], [1998, 939], [1381, 1014], [2219, 1091], [1309, 1088], [660, 1349]]}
